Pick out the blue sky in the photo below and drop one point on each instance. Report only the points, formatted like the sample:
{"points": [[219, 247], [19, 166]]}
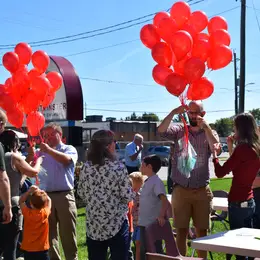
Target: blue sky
{"points": [[29, 21]]}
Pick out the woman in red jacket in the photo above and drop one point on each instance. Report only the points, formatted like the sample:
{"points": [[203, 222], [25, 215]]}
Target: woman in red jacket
{"points": [[244, 163]]}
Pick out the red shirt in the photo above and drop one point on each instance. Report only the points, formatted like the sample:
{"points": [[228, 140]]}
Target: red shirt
{"points": [[244, 164]]}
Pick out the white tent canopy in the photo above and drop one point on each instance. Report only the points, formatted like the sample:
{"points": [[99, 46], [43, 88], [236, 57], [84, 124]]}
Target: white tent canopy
{"points": [[20, 135]]}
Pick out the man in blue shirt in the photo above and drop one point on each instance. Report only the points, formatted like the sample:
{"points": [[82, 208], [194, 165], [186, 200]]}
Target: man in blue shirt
{"points": [[133, 154], [59, 162]]}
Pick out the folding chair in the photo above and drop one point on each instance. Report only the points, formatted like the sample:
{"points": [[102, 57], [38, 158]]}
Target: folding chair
{"points": [[222, 217], [155, 232]]}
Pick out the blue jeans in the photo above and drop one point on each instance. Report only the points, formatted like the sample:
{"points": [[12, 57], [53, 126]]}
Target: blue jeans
{"points": [[119, 246], [240, 217]]}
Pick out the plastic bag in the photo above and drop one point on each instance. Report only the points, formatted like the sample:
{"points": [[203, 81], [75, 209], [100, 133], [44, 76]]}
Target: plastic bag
{"points": [[187, 158]]}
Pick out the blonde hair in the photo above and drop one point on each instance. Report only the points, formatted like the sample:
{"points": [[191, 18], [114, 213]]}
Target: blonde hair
{"points": [[137, 177]]}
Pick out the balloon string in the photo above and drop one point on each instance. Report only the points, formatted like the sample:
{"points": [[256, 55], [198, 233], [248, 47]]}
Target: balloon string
{"points": [[186, 131]]}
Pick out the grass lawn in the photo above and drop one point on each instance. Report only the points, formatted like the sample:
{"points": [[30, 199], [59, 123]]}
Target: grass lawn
{"points": [[221, 184]]}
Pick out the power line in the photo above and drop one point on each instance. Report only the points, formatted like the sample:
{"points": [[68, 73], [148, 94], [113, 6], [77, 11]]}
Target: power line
{"points": [[102, 48], [157, 112], [256, 17], [118, 82], [37, 43]]}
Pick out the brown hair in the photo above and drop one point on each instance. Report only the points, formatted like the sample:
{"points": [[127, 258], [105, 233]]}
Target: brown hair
{"points": [[54, 126], [154, 161], [3, 116], [248, 131], [38, 199], [98, 149]]}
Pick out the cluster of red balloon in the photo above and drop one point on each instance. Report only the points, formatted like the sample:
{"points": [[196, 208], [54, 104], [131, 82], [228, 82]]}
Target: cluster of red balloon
{"points": [[182, 49], [28, 90]]}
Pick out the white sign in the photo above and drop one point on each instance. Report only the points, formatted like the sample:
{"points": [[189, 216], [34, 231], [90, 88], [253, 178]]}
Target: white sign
{"points": [[57, 110]]}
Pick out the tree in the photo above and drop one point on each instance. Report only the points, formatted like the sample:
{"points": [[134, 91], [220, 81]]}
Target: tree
{"points": [[256, 113], [224, 126], [144, 117]]}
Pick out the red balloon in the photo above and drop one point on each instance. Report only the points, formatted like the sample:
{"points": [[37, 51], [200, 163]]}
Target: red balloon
{"points": [[30, 102], [160, 73], [203, 36], [216, 23], [219, 37], [181, 44], [200, 89], [190, 29], [175, 84], [24, 51], [8, 83], [179, 66], [201, 49], [55, 79], [35, 122], [40, 61], [159, 16], [162, 54], [7, 102], [149, 36], [220, 57], [166, 28], [15, 117], [181, 13], [33, 73], [11, 61], [199, 20], [21, 75], [194, 69], [48, 99], [41, 85]]}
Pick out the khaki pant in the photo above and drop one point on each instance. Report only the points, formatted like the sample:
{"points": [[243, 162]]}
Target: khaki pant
{"points": [[63, 216], [192, 203]]}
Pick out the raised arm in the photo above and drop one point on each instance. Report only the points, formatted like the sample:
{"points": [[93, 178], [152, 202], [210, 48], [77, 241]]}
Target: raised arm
{"points": [[163, 127], [233, 161], [67, 157], [24, 167]]}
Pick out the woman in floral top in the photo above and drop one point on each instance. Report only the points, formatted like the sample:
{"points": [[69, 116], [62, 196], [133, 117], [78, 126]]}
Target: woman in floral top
{"points": [[105, 186]]}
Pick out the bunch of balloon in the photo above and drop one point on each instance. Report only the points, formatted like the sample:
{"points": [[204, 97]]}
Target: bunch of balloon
{"points": [[26, 91], [183, 49]]}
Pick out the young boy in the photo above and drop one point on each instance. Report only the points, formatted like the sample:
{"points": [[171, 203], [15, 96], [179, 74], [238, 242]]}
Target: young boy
{"points": [[36, 226], [153, 200], [137, 181]]}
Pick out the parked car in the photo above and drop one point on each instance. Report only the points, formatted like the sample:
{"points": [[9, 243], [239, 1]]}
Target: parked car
{"points": [[224, 147], [120, 153], [162, 151]]}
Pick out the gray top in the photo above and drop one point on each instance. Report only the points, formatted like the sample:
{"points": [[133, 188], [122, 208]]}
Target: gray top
{"points": [[15, 178], [150, 203]]}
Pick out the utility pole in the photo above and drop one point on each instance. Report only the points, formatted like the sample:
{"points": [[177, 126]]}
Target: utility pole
{"points": [[242, 57], [236, 82]]}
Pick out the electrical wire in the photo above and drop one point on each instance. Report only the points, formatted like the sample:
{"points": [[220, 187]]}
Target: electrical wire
{"points": [[139, 111], [256, 17], [97, 30]]}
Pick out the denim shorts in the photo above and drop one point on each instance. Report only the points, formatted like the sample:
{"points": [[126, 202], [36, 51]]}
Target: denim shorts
{"points": [[136, 235]]}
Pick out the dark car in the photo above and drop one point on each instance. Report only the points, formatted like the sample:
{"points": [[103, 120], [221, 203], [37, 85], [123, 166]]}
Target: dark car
{"points": [[162, 151]]}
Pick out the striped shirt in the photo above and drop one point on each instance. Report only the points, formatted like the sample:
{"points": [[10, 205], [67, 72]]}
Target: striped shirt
{"points": [[199, 176]]}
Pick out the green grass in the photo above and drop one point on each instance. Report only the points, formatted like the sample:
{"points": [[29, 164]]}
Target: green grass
{"points": [[216, 184]]}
